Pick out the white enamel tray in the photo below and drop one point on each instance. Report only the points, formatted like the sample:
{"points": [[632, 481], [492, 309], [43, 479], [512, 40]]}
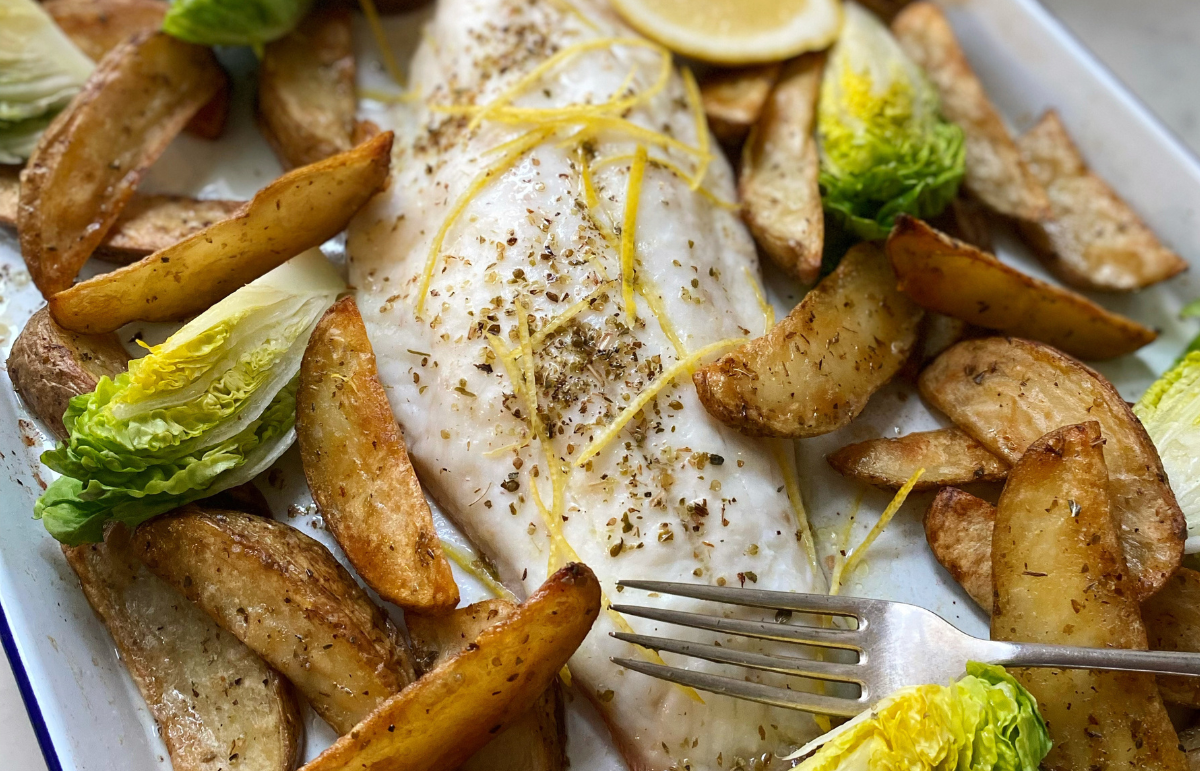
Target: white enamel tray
{"points": [[87, 714]]}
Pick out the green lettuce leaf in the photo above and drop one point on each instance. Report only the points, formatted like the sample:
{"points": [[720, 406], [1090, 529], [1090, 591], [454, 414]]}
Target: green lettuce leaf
{"points": [[234, 22], [884, 148], [204, 411], [1170, 411], [986, 721], [41, 70]]}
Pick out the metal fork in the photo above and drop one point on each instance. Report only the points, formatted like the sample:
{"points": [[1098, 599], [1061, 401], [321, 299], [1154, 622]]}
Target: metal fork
{"points": [[897, 645]]}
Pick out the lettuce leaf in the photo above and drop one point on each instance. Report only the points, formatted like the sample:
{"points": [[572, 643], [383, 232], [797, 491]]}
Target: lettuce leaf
{"points": [[234, 22], [986, 721], [884, 148], [202, 412]]}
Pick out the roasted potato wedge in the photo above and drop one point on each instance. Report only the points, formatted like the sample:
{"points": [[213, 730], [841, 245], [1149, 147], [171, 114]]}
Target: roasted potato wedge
{"points": [[49, 365], [87, 164], [288, 599], [1172, 618], [449, 714], [1189, 741], [211, 696], [98, 26], [1060, 578], [1007, 392], [815, 370], [967, 220], [536, 741], [300, 210], [306, 101], [147, 224], [948, 455], [1091, 238], [995, 172], [358, 469], [958, 527], [778, 186], [948, 276], [734, 98]]}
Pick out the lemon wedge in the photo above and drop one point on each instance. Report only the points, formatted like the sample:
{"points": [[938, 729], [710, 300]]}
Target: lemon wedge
{"points": [[736, 31]]}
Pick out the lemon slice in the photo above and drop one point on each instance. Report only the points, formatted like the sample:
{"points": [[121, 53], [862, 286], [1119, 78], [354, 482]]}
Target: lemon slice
{"points": [[736, 31]]}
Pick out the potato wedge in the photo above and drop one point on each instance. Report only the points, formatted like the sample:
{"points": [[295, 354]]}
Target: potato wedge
{"points": [[1060, 578], [300, 210], [948, 455], [537, 741], [1007, 392], [217, 704], [1091, 238], [87, 164], [1172, 618], [147, 223], [958, 527], [995, 173], [358, 469], [49, 365], [951, 277], [967, 220], [449, 714], [306, 101], [734, 98], [778, 186], [98, 26], [288, 599], [816, 369], [1189, 741]]}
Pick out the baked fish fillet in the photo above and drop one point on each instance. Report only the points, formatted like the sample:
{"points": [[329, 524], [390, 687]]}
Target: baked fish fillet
{"points": [[496, 275]]}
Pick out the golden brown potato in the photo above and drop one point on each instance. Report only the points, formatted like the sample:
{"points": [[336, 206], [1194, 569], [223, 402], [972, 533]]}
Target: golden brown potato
{"points": [[1007, 392], [733, 98], [358, 469], [995, 172], [949, 457], [778, 187], [1172, 618], [87, 164], [306, 101], [217, 704], [1091, 238], [816, 369], [967, 220], [147, 223], [300, 210], [449, 714], [958, 527], [49, 365], [951, 277], [534, 742], [1059, 578], [288, 599]]}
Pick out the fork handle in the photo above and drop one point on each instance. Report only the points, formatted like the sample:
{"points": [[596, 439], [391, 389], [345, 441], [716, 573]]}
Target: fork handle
{"points": [[1071, 657]]}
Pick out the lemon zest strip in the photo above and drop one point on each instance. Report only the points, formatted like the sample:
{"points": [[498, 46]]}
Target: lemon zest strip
{"points": [[633, 197], [855, 556], [377, 95], [701, 123], [768, 310], [677, 171], [376, 25], [647, 394], [569, 8], [787, 467], [472, 568]]}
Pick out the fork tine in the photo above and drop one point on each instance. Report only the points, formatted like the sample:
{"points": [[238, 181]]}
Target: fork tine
{"points": [[849, 639], [783, 665], [851, 607], [740, 689]]}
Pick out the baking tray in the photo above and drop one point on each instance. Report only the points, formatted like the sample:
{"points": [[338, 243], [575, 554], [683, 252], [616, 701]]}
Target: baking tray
{"points": [[86, 712]]}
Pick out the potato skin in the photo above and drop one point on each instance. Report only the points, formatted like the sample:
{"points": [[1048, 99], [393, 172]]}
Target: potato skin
{"points": [[948, 455], [1060, 578], [49, 365], [449, 714], [815, 370], [958, 528], [358, 469], [733, 99], [288, 599], [210, 695], [1172, 620], [1007, 392]]}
